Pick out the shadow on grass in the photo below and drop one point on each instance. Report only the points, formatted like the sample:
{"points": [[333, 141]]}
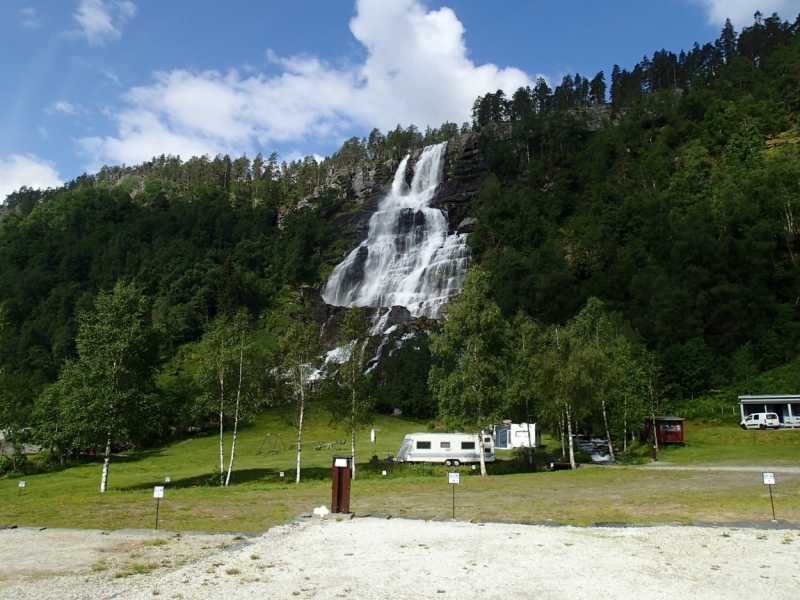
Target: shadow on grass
{"points": [[372, 470], [239, 477]]}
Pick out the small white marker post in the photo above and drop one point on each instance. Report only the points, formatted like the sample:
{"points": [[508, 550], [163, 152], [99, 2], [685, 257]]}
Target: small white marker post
{"points": [[454, 479], [158, 494], [167, 479], [21, 486], [282, 475], [769, 479]]}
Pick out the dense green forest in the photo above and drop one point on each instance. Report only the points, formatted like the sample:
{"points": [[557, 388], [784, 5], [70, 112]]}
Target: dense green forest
{"points": [[668, 194], [677, 210]]}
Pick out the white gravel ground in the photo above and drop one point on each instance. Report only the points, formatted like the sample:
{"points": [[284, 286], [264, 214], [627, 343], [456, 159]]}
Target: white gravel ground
{"points": [[378, 558]]}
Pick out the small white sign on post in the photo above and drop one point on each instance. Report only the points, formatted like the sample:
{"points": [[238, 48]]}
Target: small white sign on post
{"points": [[383, 473], [454, 478], [340, 462], [22, 484], [158, 491], [167, 479], [769, 478]]}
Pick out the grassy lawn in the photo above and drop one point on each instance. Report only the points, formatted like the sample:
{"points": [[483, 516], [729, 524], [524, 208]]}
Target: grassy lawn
{"points": [[258, 498], [733, 445]]}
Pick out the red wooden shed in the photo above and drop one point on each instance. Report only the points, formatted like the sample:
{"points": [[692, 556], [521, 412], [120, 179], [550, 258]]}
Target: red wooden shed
{"points": [[668, 429]]}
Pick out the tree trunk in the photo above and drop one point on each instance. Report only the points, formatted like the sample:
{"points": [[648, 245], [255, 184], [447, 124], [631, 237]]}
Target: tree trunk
{"points": [[571, 444], [625, 434], [530, 442], [236, 416], [608, 433], [221, 453], [106, 461], [353, 435], [221, 427], [300, 428], [561, 433], [483, 454]]}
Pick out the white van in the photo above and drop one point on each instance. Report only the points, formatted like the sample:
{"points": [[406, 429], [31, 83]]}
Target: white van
{"points": [[452, 449], [761, 421]]}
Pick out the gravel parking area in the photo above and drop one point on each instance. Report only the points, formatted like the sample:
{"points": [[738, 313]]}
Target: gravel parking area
{"points": [[399, 558]]}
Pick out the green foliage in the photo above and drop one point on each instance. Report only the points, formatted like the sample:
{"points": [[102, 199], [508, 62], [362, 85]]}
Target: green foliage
{"points": [[195, 250], [675, 205], [108, 394], [402, 380], [350, 402], [233, 381], [471, 352]]}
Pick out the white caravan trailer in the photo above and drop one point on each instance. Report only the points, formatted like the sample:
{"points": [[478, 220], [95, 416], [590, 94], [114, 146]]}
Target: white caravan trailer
{"points": [[517, 435], [452, 449]]}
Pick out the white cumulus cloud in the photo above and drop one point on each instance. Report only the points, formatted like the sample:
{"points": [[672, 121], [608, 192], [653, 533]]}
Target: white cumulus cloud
{"points": [[28, 170], [741, 12], [102, 20], [416, 70], [65, 108]]}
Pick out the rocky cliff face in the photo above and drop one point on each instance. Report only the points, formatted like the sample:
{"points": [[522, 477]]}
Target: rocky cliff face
{"points": [[365, 185]]}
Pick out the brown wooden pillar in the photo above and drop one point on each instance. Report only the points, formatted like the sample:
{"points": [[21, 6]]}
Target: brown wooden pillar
{"points": [[340, 499]]}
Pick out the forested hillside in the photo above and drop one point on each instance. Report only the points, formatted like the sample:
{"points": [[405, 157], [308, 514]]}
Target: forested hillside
{"points": [[674, 203], [668, 192]]}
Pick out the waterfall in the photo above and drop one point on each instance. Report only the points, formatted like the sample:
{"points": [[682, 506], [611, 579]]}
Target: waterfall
{"points": [[408, 259]]}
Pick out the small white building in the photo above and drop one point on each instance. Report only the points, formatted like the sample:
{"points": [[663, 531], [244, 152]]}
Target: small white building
{"points": [[786, 406], [517, 435]]}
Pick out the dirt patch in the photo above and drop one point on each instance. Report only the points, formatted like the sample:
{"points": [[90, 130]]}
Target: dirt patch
{"points": [[398, 558], [51, 558]]}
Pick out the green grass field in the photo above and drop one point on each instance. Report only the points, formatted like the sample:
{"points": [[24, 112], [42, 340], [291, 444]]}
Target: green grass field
{"points": [[258, 498]]}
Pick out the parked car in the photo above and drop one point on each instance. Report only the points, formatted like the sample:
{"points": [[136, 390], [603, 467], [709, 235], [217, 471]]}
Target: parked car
{"points": [[761, 421]]}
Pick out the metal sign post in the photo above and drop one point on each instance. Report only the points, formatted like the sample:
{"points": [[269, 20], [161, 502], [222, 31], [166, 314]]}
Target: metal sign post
{"points": [[454, 479], [158, 494], [374, 440], [21, 486], [769, 479]]}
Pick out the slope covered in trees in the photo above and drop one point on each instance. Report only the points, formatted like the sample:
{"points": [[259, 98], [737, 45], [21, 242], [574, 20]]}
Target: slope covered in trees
{"points": [[675, 203]]}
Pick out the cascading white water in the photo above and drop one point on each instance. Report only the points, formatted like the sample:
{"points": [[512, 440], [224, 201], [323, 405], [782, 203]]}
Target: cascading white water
{"points": [[407, 259]]}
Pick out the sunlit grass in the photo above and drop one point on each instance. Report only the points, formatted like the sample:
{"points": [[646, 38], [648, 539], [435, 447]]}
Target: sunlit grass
{"points": [[259, 499]]}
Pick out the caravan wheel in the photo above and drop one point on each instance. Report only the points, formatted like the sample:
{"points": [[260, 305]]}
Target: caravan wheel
{"points": [[456, 463], [448, 463]]}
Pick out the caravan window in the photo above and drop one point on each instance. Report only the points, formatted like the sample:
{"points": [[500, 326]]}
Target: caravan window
{"points": [[468, 445], [444, 445], [487, 440], [423, 445]]}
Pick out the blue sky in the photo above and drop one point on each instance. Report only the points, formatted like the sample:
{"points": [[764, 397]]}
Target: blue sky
{"points": [[93, 82]]}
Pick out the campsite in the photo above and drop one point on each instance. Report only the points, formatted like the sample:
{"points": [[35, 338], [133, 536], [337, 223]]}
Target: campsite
{"points": [[714, 478]]}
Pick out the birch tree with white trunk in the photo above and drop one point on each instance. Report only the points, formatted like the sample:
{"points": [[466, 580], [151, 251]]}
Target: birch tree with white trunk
{"points": [[301, 361], [469, 375], [349, 401], [232, 380], [108, 396]]}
